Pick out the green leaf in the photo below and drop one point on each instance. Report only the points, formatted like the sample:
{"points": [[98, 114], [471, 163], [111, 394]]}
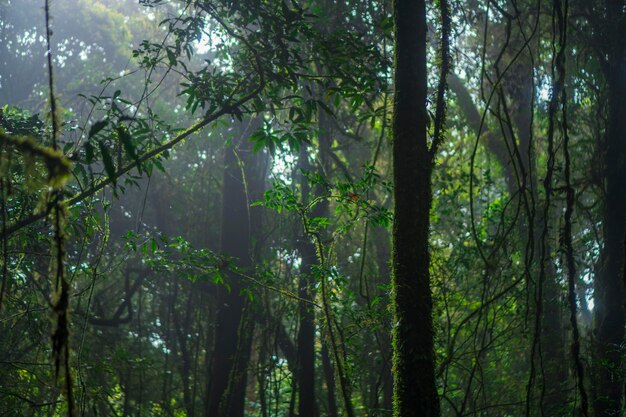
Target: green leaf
{"points": [[127, 142], [88, 152], [109, 165], [171, 57], [157, 163], [97, 127]]}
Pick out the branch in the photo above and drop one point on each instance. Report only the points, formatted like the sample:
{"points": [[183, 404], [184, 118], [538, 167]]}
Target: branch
{"points": [[20, 224], [117, 318], [28, 400], [493, 141], [442, 87]]}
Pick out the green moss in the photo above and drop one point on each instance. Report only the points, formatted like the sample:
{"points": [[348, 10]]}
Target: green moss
{"points": [[58, 167]]}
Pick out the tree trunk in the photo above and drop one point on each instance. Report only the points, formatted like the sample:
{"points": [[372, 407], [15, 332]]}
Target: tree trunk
{"points": [[306, 331], [383, 254], [232, 403], [306, 284], [236, 242], [415, 391], [609, 283], [329, 375], [183, 329]]}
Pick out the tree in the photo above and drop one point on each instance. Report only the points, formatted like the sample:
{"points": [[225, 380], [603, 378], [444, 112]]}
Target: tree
{"points": [[415, 390], [235, 322], [609, 291], [199, 288]]}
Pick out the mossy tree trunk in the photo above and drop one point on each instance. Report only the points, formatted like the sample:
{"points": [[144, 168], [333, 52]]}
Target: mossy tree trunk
{"points": [[415, 392]]}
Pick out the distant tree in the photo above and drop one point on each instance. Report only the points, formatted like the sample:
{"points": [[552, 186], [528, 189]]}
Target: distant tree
{"points": [[608, 22]]}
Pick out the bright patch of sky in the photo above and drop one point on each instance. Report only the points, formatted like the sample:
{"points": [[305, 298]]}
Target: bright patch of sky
{"points": [[588, 278], [283, 166], [544, 91], [205, 43], [289, 257], [217, 45]]}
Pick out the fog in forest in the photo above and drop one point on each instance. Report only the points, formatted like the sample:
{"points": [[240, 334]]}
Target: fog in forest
{"points": [[311, 208]]}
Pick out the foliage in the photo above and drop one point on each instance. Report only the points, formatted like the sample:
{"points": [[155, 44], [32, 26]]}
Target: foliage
{"points": [[157, 95]]}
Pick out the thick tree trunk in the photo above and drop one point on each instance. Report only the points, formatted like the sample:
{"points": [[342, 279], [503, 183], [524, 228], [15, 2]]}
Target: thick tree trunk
{"points": [[236, 242], [306, 331], [609, 283], [415, 391]]}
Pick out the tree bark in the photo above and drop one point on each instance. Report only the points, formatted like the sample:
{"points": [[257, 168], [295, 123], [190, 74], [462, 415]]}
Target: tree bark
{"points": [[415, 391], [383, 253], [609, 283], [236, 243], [331, 390], [232, 403]]}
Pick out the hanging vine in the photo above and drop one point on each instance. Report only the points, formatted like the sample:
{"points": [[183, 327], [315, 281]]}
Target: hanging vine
{"points": [[544, 256], [561, 14], [61, 299]]}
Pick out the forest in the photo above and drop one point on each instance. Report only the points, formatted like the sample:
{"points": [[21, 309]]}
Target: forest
{"points": [[311, 208]]}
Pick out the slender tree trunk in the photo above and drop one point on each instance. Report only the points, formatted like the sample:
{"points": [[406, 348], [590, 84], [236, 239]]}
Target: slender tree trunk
{"points": [[329, 375], [554, 344], [232, 403], [383, 254], [182, 330], [306, 317], [415, 391], [306, 284]]}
